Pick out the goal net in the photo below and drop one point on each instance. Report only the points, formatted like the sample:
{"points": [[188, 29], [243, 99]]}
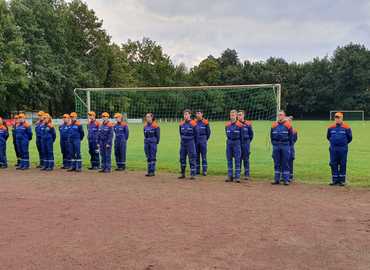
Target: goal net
{"points": [[349, 115], [261, 102]]}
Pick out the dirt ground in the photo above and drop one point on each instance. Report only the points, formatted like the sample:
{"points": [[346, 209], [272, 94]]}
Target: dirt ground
{"points": [[63, 220]]}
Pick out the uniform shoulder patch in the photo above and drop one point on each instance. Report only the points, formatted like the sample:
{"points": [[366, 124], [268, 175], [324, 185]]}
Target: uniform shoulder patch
{"points": [[26, 124], [249, 123], [239, 124], [274, 125], [346, 126], [287, 125], [228, 124], [50, 125], [78, 123], [155, 125], [3, 127], [205, 121], [193, 123], [332, 126]]}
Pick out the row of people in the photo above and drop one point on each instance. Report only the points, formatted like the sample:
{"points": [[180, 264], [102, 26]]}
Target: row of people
{"points": [[194, 136]]}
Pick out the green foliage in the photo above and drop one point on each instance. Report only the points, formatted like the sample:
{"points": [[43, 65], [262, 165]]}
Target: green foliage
{"points": [[50, 47]]}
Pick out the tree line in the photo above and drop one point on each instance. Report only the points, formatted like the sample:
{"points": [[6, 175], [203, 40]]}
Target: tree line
{"points": [[50, 47]]}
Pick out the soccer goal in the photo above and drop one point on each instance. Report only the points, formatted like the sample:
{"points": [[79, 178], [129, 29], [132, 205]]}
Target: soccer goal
{"points": [[260, 101], [349, 115]]}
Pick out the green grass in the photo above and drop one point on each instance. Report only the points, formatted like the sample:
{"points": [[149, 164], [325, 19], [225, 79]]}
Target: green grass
{"points": [[312, 156]]}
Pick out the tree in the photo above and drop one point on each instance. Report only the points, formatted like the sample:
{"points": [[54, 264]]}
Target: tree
{"points": [[13, 77]]}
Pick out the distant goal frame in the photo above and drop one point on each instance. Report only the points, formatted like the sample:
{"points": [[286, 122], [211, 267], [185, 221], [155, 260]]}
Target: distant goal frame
{"points": [[276, 87], [362, 112]]}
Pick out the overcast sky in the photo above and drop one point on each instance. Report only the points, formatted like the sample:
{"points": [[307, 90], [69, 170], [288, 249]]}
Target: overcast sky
{"points": [[190, 30]]}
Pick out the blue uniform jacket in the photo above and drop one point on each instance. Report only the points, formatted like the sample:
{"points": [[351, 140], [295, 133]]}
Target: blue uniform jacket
{"points": [[234, 132], [4, 134], [247, 132], [281, 133], [105, 135], [76, 131], [93, 131], [152, 133], [63, 131], [203, 131], [187, 130], [39, 126], [339, 134], [48, 133], [23, 131], [121, 131]]}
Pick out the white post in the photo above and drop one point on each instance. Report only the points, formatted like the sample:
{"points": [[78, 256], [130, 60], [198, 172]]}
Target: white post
{"points": [[88, 101], [278, 99]]}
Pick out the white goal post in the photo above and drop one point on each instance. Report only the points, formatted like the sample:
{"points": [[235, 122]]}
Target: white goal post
{"points": [[262, 100], [349, 114]]}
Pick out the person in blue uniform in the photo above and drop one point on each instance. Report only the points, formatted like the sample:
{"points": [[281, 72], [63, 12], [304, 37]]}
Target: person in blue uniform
{"points": [[48, 137], [93, 130], [23, 135], [246, 145], [151, 140], [105, 139], [75, 136], [4, 135], [292, 150], [234, 136], [39, 126], [120, 142], [339, 135], [281, 138], [17, 153], [203, 133], [63, 140], [187, 146]]}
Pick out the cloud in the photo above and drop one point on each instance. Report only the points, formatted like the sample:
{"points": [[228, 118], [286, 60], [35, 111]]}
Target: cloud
{"points": [[191, 30]]}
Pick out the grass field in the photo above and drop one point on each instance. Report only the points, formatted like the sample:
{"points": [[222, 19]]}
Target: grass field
{"points": [[311, 164]]}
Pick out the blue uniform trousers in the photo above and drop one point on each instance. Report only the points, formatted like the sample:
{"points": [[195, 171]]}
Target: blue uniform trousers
{"points": [[245, 148], [120, 147], [75, 150], [201, 149], [187, 149], [233, 154], [150, 150], [94, 154], [338, 163], [281, 156]]}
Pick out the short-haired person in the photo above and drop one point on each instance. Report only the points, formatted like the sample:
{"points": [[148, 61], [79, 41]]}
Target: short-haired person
{"points": [[339, 135], [75, 136], [246, 144], [120, 142], [151, 140], [234, 135], [187, 146], [23, 135], [281, 139], [92, 137], [63, 140], [48, 137], [39, 127], [105, 140], [203, 132]]}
